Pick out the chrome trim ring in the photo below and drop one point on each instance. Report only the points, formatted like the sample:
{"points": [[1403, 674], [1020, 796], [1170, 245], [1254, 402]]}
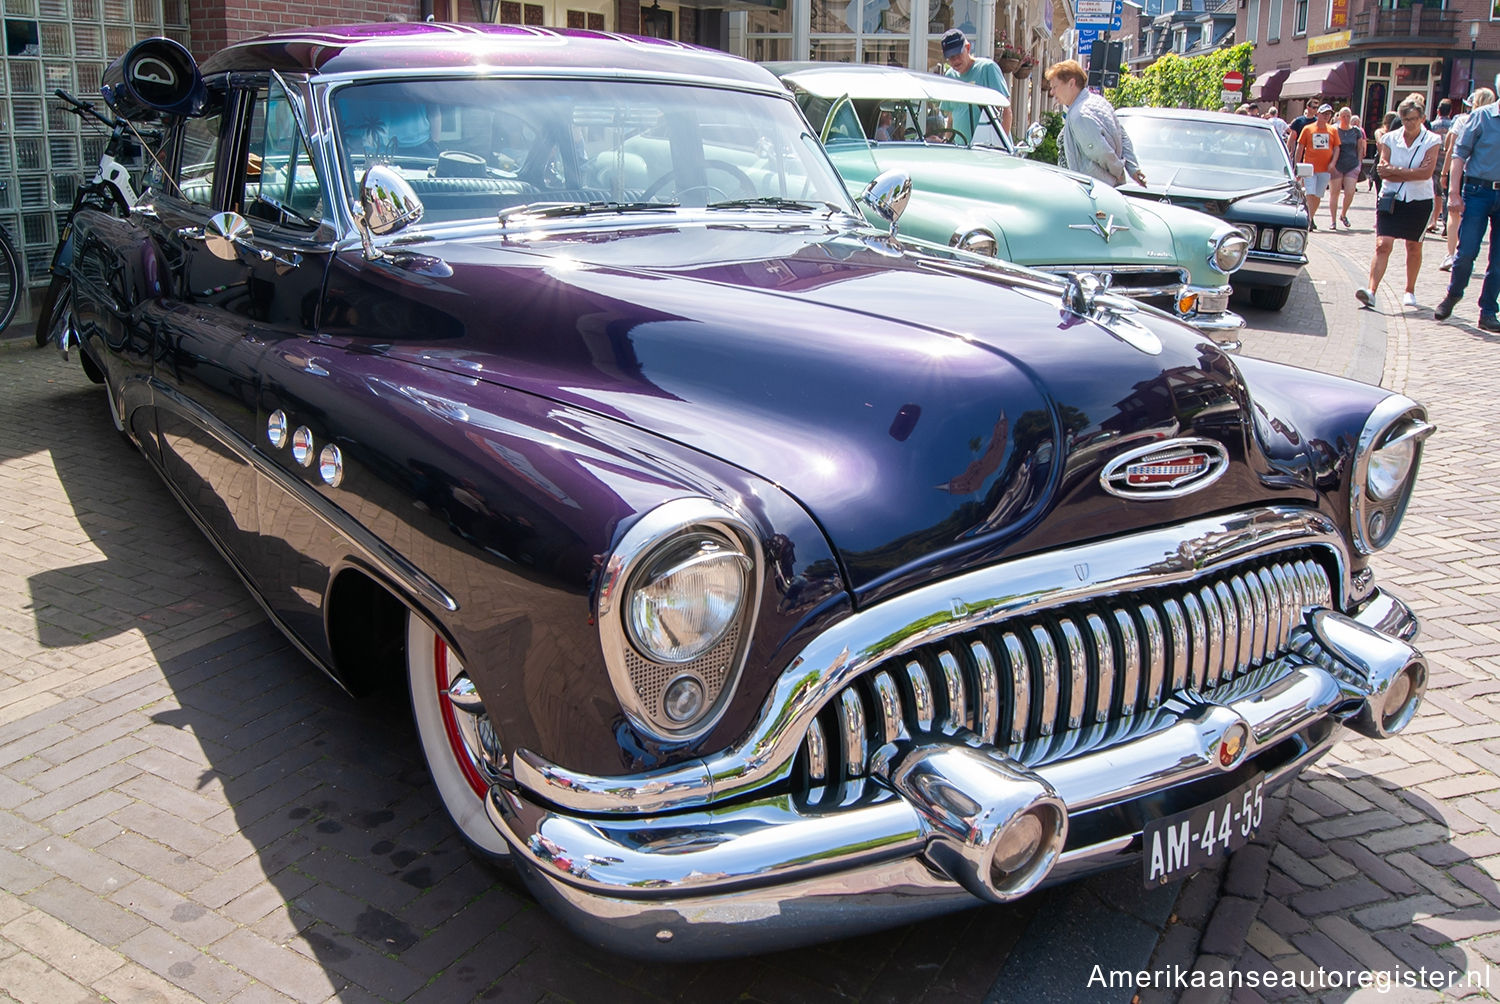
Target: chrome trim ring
{"points": [[1383, 422]]}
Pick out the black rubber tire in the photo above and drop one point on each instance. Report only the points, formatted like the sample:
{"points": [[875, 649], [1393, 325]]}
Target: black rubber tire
{"points": [[11, 279]]}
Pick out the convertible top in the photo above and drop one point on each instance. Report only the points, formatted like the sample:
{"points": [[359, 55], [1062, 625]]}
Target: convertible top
{"points": [[883, 83]]}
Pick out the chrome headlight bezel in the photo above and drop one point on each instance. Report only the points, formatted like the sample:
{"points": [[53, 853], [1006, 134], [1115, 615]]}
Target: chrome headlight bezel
{"points": [[1227, 250], [649, 551], [1378, 498], [976, 240], [1292, 241], [1249, 231]]}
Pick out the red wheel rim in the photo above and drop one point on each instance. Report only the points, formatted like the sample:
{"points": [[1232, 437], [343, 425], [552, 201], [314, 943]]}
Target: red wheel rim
{"points": [[461, 754]]}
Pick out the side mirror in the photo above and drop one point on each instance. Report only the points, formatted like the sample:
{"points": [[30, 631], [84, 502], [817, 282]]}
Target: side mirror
{"points": [[888, 195], [387, 205], [1304, 170], [1035, 134], [225, 234]]}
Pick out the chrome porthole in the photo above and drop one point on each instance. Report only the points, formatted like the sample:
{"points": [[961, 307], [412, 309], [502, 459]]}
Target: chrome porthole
{"points": [[331, 465], [302, 446], [276, 429]]}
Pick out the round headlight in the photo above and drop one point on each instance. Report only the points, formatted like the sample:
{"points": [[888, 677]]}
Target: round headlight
{"points": [[687, 598], [1248, 230], [1390, 466], [1228, 250], [978, 242], [1292, 241]]}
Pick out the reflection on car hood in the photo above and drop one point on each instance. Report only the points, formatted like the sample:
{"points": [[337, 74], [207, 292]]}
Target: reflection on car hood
{"points": [[1208, 182], [923, 417]]}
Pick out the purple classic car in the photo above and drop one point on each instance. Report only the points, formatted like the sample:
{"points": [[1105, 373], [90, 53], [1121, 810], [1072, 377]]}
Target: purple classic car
{"points": [[757, 579]]}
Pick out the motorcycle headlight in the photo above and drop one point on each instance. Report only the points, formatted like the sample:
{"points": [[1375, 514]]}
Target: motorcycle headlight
{"points": [[1385, 470], [978, 241], [677, 600], [1227, 250], [1292, 241]]}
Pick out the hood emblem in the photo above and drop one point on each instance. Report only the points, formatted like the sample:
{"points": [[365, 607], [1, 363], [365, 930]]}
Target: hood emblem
{"points": [[1165, 470], [1107, 229]]}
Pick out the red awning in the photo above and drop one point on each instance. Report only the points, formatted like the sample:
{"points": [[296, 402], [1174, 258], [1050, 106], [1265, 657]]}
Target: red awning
{"points": [[1328, 80], [1267, 86]]}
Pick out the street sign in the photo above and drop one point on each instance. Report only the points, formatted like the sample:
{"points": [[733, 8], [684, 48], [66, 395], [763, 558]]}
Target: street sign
{"points": [[1107, 15], [1234, 80], [1228, 97]]}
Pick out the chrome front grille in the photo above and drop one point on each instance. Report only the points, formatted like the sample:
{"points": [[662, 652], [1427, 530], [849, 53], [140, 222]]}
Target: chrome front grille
{"points": [[1139, 281], [1041, 685]]}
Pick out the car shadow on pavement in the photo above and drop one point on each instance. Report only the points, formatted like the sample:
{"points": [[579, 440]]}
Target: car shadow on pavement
{"points": [[1370, 878], [262, 825], [1303, 314]]}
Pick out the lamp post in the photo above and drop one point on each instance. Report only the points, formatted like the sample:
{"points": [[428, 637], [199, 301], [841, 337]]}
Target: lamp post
{"points": [[1473, 41]]}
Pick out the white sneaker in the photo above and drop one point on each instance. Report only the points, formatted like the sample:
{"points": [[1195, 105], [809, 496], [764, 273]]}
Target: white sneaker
{"points": [[1408, 299], [1364, 296], [1447, 265]]}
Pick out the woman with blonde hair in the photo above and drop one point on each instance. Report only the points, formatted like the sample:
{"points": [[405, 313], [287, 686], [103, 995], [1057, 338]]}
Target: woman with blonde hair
{"points": [[1408, 157], [1343, 174]]}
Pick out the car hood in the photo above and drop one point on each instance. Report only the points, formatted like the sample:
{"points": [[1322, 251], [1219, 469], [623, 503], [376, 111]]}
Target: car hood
{"points": [[1234, 195], [923, 417], [1045, 214]]}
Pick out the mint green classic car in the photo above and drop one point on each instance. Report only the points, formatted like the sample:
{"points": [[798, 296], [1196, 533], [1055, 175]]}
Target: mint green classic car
{"points": [[977, 194]]}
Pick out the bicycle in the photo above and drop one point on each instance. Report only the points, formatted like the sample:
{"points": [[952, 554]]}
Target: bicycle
{"points": [[108, 191], [10, 275]]}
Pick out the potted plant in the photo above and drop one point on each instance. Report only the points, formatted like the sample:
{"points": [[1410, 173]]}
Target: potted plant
{"points": [[1007, 55]]}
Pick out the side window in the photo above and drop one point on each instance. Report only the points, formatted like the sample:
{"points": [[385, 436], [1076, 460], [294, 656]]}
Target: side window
{"points": [[200, 155], [843, 125], [281, 185]]}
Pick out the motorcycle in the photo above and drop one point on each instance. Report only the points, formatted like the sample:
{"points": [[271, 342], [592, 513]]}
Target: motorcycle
{"points": [[109, 191]]}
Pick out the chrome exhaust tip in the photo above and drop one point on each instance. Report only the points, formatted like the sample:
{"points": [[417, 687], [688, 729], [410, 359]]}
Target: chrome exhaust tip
{"points": [[995, 828], [1387, 675]]}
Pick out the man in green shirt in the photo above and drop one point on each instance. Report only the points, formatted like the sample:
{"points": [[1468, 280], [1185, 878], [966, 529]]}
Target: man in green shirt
{"points": [[971, 69]]}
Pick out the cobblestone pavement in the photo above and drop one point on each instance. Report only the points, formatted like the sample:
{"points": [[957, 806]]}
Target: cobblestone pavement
{"points": [[189, 812]]}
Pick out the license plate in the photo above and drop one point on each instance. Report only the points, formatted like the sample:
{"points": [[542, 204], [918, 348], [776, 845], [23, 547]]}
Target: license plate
{"points": [[1181, 844]]}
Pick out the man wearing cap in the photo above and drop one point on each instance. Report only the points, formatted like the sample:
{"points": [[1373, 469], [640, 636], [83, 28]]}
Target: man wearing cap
{"points": [[1294, 130], [1318, 145], [1092, 141], [972, 69], [1474, 196]]}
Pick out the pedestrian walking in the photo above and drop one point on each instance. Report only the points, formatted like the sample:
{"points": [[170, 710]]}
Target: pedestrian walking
{"points": [[1481, 97], [1318, 145], [1093, 141], [1474, 194], [1441, 123], [1276, 120], [1408, 158], [972, 69], [1343, 175], [1294, 130]]}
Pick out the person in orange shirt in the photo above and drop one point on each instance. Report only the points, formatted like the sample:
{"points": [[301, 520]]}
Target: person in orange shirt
{"points": [[1318, 145]]}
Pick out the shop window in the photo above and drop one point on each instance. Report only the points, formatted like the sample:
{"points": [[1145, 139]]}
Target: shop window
{"points": [[1301, 26]]}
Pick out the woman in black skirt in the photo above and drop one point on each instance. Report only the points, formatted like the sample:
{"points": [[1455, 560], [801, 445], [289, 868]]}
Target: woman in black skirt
{"points": [[1408, 156]]}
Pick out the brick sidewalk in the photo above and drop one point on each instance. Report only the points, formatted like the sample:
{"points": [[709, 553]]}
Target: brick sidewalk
{"points": [[1388, 857]]}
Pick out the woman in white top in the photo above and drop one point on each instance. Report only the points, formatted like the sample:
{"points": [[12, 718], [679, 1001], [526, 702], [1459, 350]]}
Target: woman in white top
{"points": [[1408, 156]]}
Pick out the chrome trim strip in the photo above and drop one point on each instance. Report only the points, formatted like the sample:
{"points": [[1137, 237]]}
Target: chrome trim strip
{"points": [[852, 732], [989, 691], [1259, 613], [1078, 672], [1046, 677], [1130, 651], [960, 716], [888, 699], [1231, 612], [1174, 554], [1197, 669], [817, 753], [1020, 685], [1275, 612], [1244, 625], [1177, 632], [1104, 645], [923, 710], [1156, 654], [1217, 644]]}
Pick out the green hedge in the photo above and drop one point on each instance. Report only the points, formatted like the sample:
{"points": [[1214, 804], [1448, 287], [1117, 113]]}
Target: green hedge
{"points": [[1175, 82]]}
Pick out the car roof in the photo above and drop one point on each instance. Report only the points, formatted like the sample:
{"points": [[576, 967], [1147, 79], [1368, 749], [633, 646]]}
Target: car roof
{"points": [[867, 81], [400, 46], [1197, 115]]}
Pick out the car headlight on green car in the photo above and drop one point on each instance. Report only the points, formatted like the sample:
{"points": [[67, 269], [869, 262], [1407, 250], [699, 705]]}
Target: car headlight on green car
{"points": [[976, 240], [1227, 250]]}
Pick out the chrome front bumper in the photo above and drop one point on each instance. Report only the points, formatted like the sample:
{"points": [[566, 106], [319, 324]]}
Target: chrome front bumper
{"points": [[763, 873], [1212, 314]]}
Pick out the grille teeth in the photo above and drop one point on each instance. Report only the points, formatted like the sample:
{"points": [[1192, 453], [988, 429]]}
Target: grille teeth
{"points": [[1036, 684]]}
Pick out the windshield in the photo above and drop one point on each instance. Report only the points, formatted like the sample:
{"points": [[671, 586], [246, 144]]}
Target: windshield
{"points": [[910, 121], [1219, 156], [472, 149]]}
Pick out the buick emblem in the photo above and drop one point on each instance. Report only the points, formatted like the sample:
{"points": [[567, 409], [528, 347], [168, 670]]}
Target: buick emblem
{"points": [[1166, 469]]}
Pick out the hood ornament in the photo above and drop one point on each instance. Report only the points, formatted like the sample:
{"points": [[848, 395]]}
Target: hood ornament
{"points": [[1165, 470], [1106, 230]]}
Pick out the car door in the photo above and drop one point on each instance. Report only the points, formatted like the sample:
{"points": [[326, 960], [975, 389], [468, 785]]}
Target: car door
{"points": [[243, 271]]}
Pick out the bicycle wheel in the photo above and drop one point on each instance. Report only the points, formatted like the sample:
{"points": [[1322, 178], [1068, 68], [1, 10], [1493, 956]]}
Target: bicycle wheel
{"points": [[10, 278]]}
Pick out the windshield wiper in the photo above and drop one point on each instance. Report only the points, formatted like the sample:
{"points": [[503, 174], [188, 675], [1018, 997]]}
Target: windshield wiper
{"points": [[545, 210], [775, 202]]}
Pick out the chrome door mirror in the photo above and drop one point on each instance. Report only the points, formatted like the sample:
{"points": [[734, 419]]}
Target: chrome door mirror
{"points": [[888, 195], [387, 205], [1035, 134], [1304, 170], [225, 234]]}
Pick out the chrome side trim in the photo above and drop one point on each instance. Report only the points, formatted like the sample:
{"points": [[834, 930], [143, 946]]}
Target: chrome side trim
{"points": [[890, 629]]}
